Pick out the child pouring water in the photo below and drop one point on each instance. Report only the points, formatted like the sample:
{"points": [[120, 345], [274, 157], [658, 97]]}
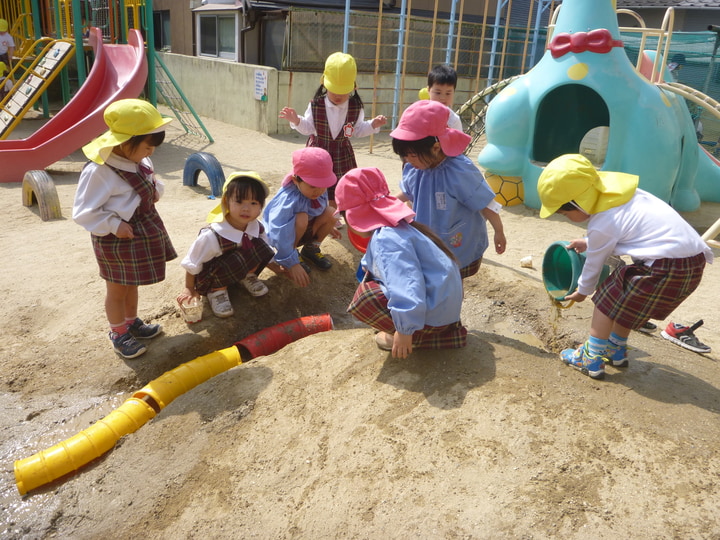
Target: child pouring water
{"points": [[232, 249], [335, 115], [448, 192], [412, 292], [299, 214], [668, 255], [115, 202]]}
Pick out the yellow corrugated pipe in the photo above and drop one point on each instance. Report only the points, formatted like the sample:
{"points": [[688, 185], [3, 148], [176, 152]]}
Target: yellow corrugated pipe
{"points": [[91, 443]]}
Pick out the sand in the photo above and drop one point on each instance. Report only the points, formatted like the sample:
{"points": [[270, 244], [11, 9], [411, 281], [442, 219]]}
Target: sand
{"points": [[330, 437]]}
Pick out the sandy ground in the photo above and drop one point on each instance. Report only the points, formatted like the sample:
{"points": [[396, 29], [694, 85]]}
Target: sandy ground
{"points": [[331, 437]]}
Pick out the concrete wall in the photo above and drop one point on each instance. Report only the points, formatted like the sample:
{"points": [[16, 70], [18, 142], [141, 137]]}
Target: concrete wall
{"points": [[225, 91]]}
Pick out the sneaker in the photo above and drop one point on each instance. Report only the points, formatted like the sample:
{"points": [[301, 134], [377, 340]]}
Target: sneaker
{"points": [[580, 359], [126, 345], [312, 253], [616, 355], [685, 337], [305, 267], [648, 328], [253, 285], [138, 329], [220, 303]]}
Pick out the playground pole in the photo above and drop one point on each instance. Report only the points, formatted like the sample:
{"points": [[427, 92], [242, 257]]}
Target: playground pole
{"points": [[346, 29], [398, 60], [78, 34], [451, 30], [150, 41]]}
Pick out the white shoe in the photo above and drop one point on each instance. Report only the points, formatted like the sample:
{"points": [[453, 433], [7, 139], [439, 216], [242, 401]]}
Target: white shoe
{"points": [[253, 285], [220, 303]]}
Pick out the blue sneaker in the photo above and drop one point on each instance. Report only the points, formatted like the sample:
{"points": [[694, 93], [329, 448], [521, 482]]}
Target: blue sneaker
{"points": [[580, 359], [616, 355], [138, 329], [126, 345]]}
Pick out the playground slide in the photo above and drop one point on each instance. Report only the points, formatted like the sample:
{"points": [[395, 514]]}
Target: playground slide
{"points": [[119, 71]]}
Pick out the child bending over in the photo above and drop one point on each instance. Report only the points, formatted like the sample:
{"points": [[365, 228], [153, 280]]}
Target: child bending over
{"points": [[412, 291], [448, 192], [668, 255], [299, 214]]}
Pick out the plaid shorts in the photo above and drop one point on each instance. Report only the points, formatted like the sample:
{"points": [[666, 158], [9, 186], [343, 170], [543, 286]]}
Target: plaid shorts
{"points": [[471, 269], [369, 305], [636, 293]]}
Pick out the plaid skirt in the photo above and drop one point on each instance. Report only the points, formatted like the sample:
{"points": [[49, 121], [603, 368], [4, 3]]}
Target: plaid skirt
{"points": [[135, 261], [369, 305], [471, 269], [232, 267], [636, 293]]}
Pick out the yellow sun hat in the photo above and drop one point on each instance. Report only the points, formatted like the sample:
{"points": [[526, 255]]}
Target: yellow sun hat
{"points": [[126, 118], [3, 25], [340, 73], [3, 68], [572, 177], [424, 93], [217, 214]]}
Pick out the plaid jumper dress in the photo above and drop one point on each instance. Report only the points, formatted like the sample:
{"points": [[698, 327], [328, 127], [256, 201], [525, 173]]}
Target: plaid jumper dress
{"points": [[139, 260], [233, 265], [340, 149]]}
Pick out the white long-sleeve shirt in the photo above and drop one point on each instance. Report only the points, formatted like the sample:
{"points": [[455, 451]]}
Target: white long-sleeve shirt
{"points": [[646, 229], [207, 247], [103, 199], [336, 116]]}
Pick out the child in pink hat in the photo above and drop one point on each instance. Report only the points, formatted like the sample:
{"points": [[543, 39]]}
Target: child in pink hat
{"points": [[448, 192], [299, 214], [412, 290]]}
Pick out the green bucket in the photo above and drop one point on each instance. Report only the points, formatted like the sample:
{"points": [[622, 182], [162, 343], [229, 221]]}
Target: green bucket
{"points": [[561, 269]]}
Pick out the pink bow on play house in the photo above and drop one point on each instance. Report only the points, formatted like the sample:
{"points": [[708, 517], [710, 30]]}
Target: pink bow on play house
{"points": [[598, 41]]}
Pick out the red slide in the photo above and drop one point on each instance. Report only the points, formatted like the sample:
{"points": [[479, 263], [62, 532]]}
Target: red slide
{"points": [[119, 72]]}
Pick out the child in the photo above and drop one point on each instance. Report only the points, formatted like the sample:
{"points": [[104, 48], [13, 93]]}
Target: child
{"points": [[448, 192], [335, 115], [115, 201], [233, 249], [7, 44], [413, 292], [299, 214], [5, 82], [442, 82], [668, 255]]}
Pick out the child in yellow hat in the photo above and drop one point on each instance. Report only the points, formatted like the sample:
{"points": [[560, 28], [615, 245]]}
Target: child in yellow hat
{"points": [[7, 44], [5, 82], [668, 256], [115, 202], [335, 115], [233, 248]]}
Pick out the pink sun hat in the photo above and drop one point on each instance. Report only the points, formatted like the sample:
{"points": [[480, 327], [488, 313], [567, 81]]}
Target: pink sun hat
{"points": [[314, 166], [427, 118], [364, 196]]}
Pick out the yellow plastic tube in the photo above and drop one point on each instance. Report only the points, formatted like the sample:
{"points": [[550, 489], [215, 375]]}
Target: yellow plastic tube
{"points": [[70, 455], [89, 444], [187, 376]]}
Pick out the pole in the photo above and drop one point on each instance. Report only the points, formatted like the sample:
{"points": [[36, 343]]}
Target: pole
{"points": [[398, 60], [451, 31], [346, 29]]}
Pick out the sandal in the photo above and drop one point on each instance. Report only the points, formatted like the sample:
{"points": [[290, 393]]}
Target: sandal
{"points": [[253, 285], [384, 341]]}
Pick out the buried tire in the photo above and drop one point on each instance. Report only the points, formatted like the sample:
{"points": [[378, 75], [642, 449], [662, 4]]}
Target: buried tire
{"points": [[207, 163]]}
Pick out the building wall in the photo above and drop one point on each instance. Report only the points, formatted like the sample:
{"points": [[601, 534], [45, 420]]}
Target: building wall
{"points": [[181, 24], [225, 91]]}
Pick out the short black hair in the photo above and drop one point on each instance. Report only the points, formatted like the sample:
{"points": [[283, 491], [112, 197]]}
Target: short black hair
{"points": [[442, 74], [245, 187]]}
